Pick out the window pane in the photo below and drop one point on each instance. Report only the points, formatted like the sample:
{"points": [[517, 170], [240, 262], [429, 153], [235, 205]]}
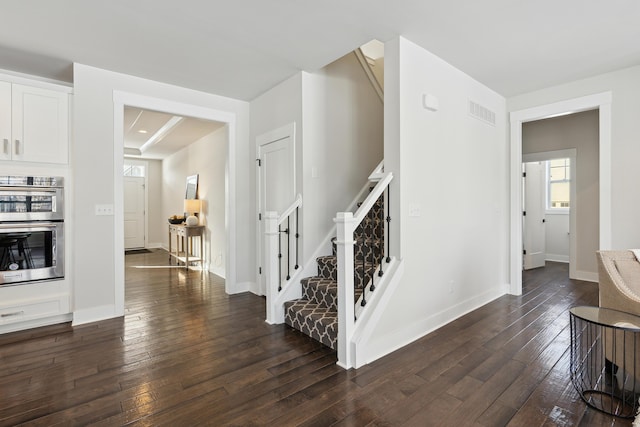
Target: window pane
{"points": [[134, 170], [559, 194], [557, 174]]}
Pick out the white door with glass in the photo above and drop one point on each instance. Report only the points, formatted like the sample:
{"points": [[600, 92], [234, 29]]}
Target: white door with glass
{"points": [[134, 213]]}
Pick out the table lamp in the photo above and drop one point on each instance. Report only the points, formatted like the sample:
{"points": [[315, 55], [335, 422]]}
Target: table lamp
{"points": [[192, 207]]}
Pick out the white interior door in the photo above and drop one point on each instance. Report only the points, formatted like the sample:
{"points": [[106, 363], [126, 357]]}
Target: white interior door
{"points": [[134, 214], [277, 187], [533, 220]]}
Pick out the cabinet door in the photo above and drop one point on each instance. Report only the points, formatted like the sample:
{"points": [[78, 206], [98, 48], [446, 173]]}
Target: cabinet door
{"points": [[5, 121], [40, 125]]}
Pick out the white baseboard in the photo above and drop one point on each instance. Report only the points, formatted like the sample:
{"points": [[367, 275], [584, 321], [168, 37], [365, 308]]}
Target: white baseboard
{"points": [[240, 287], [94, 314], [586, 276], [557, 258], [154, 246], [36, 323], [407, 334], [217, 271]]}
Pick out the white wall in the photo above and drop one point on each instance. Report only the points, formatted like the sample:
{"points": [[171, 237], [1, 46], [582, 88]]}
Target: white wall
{"points": [[625, 142], [94, 265], [205, 157], [454, 183], [343, 142]]}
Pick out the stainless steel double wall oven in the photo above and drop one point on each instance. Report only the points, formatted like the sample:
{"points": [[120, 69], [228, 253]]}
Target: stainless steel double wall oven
{"points": [[31, 229]]}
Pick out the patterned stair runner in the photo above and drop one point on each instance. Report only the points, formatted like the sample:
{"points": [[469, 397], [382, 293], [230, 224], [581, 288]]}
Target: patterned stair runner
{"points": [[316, 313]]}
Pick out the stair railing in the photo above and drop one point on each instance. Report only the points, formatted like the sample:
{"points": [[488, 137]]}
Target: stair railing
{"points": [[282, 249], [347, 222]]}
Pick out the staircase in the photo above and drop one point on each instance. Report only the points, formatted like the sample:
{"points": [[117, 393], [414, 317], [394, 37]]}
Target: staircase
{"points": [[316, 313]]}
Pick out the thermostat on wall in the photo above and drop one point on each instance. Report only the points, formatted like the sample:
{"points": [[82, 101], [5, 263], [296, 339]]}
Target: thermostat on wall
{"points": [[430, 102]]}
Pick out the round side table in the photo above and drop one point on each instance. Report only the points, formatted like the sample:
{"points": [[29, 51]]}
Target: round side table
{"points": [[604, 365]]}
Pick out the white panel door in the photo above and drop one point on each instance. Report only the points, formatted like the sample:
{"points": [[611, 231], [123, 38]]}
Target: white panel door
{"points": [[533, 221], [40, 124], [134, 214], [5, 121], [277, 187]]}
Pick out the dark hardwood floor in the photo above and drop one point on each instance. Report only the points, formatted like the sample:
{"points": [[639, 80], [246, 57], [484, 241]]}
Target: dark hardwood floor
{"points": [[188, 354]]}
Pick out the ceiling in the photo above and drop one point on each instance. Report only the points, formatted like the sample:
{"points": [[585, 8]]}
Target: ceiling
{"points": [[149, 132], [242, 48]]}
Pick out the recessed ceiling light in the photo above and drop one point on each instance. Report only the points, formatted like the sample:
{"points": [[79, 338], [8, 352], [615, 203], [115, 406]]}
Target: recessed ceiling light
{"points": [[142, 131]]}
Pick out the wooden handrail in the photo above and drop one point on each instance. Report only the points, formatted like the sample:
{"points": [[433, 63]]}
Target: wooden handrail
{"points": [[368, 203]]}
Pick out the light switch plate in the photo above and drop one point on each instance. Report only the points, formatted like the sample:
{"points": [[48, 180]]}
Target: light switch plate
{"points": [[104, 209]]}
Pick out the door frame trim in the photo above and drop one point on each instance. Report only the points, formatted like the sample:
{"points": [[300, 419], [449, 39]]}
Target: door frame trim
{"points": [[602, 102], [288, 130]]}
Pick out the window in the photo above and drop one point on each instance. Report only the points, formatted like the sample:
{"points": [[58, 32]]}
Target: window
{"points": [[131, 169], [558, 184]]}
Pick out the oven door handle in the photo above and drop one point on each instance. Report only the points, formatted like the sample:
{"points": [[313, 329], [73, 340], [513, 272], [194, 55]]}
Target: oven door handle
{"points": [[28, 190], [25, 226]]}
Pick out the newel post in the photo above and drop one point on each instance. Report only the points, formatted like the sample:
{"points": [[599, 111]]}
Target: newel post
{"points": [[271, 264], [346, 315]]}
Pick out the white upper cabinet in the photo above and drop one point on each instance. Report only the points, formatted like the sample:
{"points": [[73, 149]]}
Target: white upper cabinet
{"points": [[38, 129]]}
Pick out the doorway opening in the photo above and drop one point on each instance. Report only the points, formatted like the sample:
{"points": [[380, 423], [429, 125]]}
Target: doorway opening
{"points": [[601, 102], [549, 209], [228, 207]]}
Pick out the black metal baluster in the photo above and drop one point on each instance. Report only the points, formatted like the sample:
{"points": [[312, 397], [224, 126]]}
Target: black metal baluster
{"points": [[288, 248], [363, 276], [388, 223], [297, 240], [380, 246], [279, 258]]}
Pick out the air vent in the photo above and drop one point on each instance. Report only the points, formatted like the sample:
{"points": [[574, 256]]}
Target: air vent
{"points": [[482, 113]]}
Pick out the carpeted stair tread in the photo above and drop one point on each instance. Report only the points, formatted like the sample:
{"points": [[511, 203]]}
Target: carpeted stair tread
{"points": [[318, 322]]}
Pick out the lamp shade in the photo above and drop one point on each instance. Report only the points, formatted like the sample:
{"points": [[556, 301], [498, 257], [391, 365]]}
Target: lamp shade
{"points": [[192, 206]]}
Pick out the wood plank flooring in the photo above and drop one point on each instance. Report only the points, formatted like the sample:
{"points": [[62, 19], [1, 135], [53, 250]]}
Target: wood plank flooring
{"points": [[188, 354]]}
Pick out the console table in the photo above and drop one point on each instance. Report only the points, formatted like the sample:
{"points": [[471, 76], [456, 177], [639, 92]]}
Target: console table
{"points": [[604, 365], [184, 235]]}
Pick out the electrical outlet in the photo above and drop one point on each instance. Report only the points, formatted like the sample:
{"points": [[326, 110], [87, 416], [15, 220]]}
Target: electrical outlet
{"points": [[104, 209]]}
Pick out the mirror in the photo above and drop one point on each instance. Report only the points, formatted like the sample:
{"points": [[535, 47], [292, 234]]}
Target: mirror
{"points": [[192, 187]]}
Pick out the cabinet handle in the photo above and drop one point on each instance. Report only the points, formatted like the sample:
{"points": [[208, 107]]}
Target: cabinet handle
{"points": [[17, 146], [6, 146], [15, 313]]}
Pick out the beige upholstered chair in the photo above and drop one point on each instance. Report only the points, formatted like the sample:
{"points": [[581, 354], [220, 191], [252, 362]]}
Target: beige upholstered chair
{"points": [[619, 289], [619, 281]]}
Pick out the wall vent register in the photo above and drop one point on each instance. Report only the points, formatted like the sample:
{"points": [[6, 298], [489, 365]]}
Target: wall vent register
{"points": [[482, 113]]}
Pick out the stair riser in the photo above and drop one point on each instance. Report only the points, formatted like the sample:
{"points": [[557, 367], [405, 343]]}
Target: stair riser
{"points": [[370, 251], [328, 269], [312, 326], [320, 293]]}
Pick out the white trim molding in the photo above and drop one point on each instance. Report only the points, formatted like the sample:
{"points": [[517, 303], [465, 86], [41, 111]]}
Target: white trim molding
{"points": [[120, 99], [602, 102]]}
